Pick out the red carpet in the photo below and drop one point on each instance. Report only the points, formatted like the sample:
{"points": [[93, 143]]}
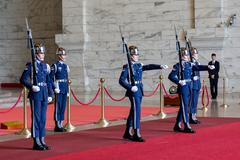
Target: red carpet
{"points": [[80, 114], [216, 138]]}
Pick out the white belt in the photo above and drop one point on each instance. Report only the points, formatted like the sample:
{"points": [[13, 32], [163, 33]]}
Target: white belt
{"points": [[188, 80], [196, 78], [61, 80], [138, 82], [42, 84]]}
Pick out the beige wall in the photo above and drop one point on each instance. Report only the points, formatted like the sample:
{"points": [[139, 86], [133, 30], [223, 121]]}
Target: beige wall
{"points": [[89, 30], [45, 20]]}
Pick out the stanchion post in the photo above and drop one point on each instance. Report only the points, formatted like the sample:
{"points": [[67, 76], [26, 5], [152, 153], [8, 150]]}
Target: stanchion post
{"points": [[204, 107], [69, 127], [161, 113], [25, 132], [224, 100], [102, 121]]}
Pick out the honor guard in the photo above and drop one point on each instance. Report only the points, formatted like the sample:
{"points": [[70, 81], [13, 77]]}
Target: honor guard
{"points": [[196, 87], [40, 94], [184, 89], [135, 93], [59, 75]]}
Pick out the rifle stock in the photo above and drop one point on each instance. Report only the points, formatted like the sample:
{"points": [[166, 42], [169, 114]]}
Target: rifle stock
{"points": [[188, 45], [125, 46], [33, 56], [179, 55], [189, 48]]}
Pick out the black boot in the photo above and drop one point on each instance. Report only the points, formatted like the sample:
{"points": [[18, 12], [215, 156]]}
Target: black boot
{"points": [[188, 130], [177, 128], [127, 135], [37, 145], [137, 137], [44, 144], [193, 121]]}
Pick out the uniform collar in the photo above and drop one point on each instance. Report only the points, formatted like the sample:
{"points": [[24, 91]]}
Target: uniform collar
{"points": [[38, 61], [61, 62]]}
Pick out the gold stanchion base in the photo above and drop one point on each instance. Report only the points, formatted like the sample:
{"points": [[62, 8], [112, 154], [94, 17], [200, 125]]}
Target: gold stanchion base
{"points": [[161, 115], [69, 127], [224, 106], [103, 122], [25, 133], [205, 109]]}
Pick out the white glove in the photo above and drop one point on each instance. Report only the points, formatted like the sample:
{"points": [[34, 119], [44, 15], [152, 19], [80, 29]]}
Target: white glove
{"points": [[164, 66], [67, 94], [182, 82], [211, 67], [57, 90], [195, 78], [49, 99], [134, 89], [35, 88]]}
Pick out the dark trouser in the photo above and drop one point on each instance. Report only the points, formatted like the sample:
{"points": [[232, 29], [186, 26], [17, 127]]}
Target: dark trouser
{"points": [[39, 109], [60, 106], [183, 112], [135, 113], [214, 87], [194, 101]]}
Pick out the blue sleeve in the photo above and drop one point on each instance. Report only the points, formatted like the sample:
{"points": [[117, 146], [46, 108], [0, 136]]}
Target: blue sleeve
{"points": [[151, 67], [200, 68], [124, 78], [26, 76], [173, 76]]}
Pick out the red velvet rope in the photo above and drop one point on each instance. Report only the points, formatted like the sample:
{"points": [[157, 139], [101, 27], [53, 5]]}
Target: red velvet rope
{"points": [[207, 96], [91, 101], [203, 93], [114, 99], [149, 95], [171, 97], [15, 105]]}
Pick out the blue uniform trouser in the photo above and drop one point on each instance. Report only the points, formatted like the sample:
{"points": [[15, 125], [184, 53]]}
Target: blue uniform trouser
{"points": [[60, 106], [135, 113], [185, 93], [194, 101], [39, 109]]}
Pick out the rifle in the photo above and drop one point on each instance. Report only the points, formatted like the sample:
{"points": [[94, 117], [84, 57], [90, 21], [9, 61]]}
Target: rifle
{"points": [[33, 56], [189, 48], [188, 45], [131, 76], [179, 55]]}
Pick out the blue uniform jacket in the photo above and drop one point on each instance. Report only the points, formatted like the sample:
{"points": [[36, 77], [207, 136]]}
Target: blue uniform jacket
{"points": [[188, 67], [59, 73], [43, 81], [196, 71], [138, 68]]}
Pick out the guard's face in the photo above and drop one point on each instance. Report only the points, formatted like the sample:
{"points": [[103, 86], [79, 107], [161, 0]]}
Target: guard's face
{"points": [[185, 56], [195, 54], [62, 57], [135, 57], [40, 56]]}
